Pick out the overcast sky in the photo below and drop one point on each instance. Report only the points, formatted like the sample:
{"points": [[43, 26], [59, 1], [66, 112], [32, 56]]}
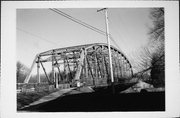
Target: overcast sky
{"points": [[39, 30]]}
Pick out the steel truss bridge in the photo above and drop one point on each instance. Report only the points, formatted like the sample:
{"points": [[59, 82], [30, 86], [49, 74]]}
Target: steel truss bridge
{"points": [[88, 64]]}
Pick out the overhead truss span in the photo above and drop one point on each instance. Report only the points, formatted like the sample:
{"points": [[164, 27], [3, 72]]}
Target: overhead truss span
{"points": [[88, 64]]}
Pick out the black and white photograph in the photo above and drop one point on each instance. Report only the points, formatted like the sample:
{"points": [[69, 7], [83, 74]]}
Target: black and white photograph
{"points": [[100, 59]]}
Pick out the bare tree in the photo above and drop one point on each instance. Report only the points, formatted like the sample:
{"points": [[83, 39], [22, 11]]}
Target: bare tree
{"points": [[151, 58], [157, 31], [141, 58], [157, 37], [21, 72]]}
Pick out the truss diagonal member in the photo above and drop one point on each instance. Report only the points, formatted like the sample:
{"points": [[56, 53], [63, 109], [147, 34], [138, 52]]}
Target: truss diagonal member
{"points": [[80, 64], [47, 77], [30, 71]]}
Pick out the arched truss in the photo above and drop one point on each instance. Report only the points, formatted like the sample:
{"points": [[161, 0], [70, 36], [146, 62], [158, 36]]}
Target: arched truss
{"points": [[86, 63]]}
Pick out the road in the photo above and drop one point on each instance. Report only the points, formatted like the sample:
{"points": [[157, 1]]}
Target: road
{"points": [[101, 101]]}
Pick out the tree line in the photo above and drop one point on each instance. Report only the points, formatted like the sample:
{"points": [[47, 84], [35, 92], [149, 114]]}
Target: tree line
{"points": [[152, 57]]}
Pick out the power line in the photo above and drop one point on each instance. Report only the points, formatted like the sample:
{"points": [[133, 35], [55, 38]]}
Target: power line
{"points": [[34, 35], [84, 24], [78, 21]]}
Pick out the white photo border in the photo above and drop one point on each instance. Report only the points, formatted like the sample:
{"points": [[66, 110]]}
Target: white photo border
{"points": [[8, 54]]}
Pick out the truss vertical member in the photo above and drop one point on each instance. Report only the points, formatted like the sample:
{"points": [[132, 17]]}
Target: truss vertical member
{"points": [[53, 72], [38, 67], [86, 65], [56, 80]]}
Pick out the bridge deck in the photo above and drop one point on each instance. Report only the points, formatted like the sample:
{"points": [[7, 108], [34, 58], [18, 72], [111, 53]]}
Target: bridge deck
{"points": [[80, 90], [99, 102]]}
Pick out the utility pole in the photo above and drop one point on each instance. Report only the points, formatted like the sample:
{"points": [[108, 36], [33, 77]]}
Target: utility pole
{"points": [[109, 46]]}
